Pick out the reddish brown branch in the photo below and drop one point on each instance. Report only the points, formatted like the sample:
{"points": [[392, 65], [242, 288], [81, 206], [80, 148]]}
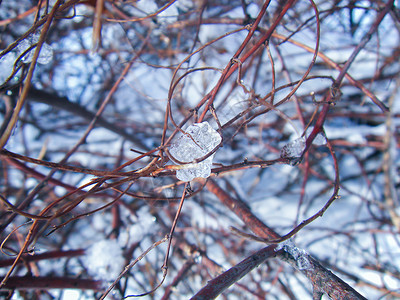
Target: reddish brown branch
{"points": [[51, 282], [323, 280], [243, 211], [42, 256], [232, 67], [220, 283]]}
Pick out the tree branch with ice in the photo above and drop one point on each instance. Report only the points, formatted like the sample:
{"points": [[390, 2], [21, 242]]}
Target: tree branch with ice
{"points": [[323, 280]]}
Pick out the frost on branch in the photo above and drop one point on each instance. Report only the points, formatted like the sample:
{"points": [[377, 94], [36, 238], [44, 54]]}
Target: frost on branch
{"points": [[199, 140], [300, 256]]}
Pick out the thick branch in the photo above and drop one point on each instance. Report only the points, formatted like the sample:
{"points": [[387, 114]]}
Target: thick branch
{"points": [[44, 283], [217, 285], [322, 279]]}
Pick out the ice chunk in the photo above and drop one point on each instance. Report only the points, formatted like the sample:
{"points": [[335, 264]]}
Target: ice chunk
{"points": [[46, 52], [294, 149], [22, 47], [199, 140]]}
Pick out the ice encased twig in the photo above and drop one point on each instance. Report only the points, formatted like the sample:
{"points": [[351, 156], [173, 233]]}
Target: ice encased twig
{"points": [[199, 140]]}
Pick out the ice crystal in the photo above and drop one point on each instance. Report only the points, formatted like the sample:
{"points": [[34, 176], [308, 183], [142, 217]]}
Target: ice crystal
{"points": [[300, 256], [199, 140]]}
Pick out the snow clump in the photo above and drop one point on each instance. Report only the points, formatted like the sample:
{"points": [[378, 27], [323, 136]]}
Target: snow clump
{"points": [[104, 260]]}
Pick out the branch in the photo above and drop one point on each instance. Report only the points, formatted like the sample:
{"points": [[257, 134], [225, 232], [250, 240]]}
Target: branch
{"points": [[220, 283], [42, 256], [323, 280], [50, 282]]}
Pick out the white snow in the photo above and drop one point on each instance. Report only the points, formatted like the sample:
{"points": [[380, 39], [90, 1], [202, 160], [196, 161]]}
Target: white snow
{"points": [[104, 260], [168, 15], [147, 7]]}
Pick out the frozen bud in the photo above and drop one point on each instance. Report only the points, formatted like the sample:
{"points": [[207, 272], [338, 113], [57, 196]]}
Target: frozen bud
{"points": [[199, 140]]}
